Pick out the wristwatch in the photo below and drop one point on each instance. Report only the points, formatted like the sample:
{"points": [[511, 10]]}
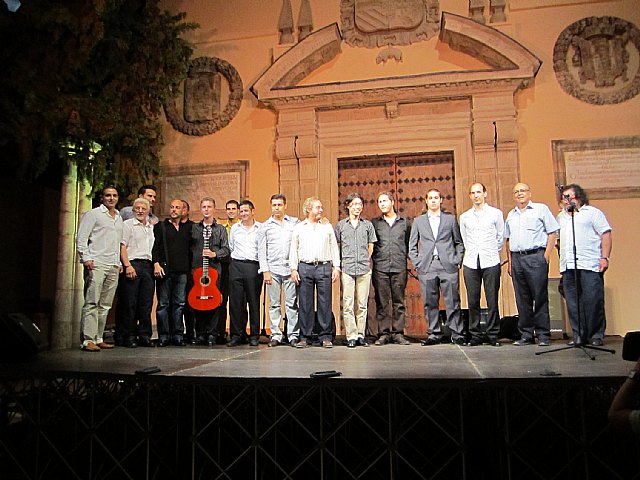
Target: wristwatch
{"points": [[634, 375]]}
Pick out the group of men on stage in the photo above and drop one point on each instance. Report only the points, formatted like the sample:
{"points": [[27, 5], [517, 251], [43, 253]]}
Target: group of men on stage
{"points": [[298, 261]]}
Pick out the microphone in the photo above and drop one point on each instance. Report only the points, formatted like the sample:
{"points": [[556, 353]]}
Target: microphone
{"points": [[572, 207]]}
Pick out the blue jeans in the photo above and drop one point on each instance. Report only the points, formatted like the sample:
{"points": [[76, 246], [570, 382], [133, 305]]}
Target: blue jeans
{"points": [[171, 292], [592, 319]]}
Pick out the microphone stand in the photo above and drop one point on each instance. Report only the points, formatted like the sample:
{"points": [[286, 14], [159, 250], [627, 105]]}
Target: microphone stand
{"points": [[576, 279]]}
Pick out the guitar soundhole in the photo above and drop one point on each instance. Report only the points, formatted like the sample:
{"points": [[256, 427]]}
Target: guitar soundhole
{"points": [[204, 281]]}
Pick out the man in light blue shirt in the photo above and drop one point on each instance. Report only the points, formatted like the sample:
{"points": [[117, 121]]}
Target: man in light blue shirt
{"points": [[585, 299], [530, 230], [274, 242], [482, 230]]}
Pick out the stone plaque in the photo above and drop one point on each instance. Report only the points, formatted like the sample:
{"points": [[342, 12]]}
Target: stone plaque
{"points": [[223, 182], [606, 168]]}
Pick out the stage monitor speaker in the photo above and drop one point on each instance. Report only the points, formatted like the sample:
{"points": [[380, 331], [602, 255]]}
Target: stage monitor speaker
{"points": [[21, 339]]}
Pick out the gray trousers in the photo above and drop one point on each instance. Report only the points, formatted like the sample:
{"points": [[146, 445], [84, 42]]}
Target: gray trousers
{"points": [[431, 283]]}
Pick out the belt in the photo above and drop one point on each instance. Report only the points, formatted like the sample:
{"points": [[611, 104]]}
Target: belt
{"points": [[244, 261], [139, 260], [435, 257], [317, 262], [530, 252]]}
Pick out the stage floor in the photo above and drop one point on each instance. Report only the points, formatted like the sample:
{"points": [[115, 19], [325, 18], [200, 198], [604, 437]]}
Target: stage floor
{"points": [[386, 363]]}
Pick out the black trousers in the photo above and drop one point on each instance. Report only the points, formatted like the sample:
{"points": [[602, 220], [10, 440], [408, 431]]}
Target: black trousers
{"points": [[245, 284], [530, 274], [389, 295], [135, 300], [473, 279]]}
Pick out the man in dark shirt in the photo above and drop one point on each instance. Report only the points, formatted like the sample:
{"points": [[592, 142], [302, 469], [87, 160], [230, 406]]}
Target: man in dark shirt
{"points": [[390, 271], [216, 251], [170, 268]]}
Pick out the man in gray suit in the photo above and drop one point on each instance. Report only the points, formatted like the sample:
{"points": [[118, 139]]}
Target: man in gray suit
{"points": [[436, 250]]}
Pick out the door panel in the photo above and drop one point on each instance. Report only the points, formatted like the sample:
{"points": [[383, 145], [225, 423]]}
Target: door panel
{"points": [[408, 178]]}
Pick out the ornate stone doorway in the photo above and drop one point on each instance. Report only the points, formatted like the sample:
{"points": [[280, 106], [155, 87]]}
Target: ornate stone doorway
{"points": [[469, 113]]}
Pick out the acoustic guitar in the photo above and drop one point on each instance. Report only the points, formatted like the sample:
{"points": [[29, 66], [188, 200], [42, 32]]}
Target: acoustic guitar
{"points": [[205, 294]]}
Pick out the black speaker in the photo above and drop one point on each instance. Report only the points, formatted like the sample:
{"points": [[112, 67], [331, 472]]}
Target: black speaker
{"points": [[21, 339]]}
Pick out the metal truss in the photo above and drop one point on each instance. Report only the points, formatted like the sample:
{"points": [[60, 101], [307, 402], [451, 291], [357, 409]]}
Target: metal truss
{"points": [[156, 428]]}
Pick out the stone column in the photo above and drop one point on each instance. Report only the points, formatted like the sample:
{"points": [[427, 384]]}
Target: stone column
{"points": [[495, 147], [297, 153]]}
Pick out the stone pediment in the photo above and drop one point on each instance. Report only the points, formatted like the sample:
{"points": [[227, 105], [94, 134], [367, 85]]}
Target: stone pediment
{"points": [[509, 66]]}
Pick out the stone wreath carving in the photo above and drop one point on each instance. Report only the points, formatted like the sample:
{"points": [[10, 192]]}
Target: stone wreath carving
{"points": [[591, 60], [201, 98]]}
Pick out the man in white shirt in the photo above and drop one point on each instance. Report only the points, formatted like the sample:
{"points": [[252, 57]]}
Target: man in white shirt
{"points": [[244, 280], [98, 244], [137, 285], [315, 264], [482, 230]]}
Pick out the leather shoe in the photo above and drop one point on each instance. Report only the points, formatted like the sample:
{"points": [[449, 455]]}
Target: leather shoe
{"points": [[91, 347], [253, 342], [429, 341], [383, 340], [302, 344], [597, 342], [351, 344], [523, 341], [363, 342], [273, 342], [474, 342], [105, 346], [326, 343], [293, 342], [399, 339], [129, 343], [164, 343], [234, 342], [574, 343], [145, 342], [458, 341], [178, 343], [543, 343], [494, 342]]}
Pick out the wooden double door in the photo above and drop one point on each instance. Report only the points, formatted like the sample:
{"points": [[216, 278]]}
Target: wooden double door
{"points": [[408, 178]]}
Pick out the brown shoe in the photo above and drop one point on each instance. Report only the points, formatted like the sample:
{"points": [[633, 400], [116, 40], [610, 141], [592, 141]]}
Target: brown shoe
{"points": [[104, 346], [91, 347], [326, 343]]}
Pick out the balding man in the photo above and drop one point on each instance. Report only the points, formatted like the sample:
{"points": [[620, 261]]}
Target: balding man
{"points": [[530, 232]]}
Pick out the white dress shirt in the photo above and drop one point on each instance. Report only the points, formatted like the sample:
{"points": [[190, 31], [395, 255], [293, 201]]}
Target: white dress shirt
{"points": [[138, 238], [313, 242], [244, 242], [99, 236], [482, 232]]}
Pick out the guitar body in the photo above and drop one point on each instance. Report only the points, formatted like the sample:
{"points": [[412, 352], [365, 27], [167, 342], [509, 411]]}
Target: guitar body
{"points": [[205, 294]]}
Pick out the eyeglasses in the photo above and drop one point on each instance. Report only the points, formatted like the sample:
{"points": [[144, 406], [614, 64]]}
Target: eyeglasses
{"points": [[568, 196]]}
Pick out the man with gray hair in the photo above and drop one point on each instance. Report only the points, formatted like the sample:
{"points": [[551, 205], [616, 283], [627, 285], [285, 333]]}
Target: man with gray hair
{"points": [[136, 286], [315, 264]]}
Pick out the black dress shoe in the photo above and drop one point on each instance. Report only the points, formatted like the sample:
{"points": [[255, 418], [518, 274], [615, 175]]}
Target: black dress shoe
{"points": [[129, 343], [363, 342], [474, 342], [145, 342], [274, 342], [164, 343], [178, 342], [351, 343], [430, 341], [253, 342], [234, 342], [523, 341], [458, 341]]}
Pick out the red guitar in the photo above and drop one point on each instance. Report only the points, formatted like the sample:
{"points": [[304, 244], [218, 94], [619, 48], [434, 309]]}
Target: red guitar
{"points": [[205, 294]]}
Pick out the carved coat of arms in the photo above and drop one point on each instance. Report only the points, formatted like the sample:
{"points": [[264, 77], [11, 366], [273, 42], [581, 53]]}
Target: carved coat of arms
{"points": [[377, 23]]}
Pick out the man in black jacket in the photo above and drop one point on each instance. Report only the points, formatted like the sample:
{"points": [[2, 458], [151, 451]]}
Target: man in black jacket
{"points": [[170, 268]]}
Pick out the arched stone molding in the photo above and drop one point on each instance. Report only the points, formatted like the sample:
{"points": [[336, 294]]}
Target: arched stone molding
{"points": [[471, 113]]}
